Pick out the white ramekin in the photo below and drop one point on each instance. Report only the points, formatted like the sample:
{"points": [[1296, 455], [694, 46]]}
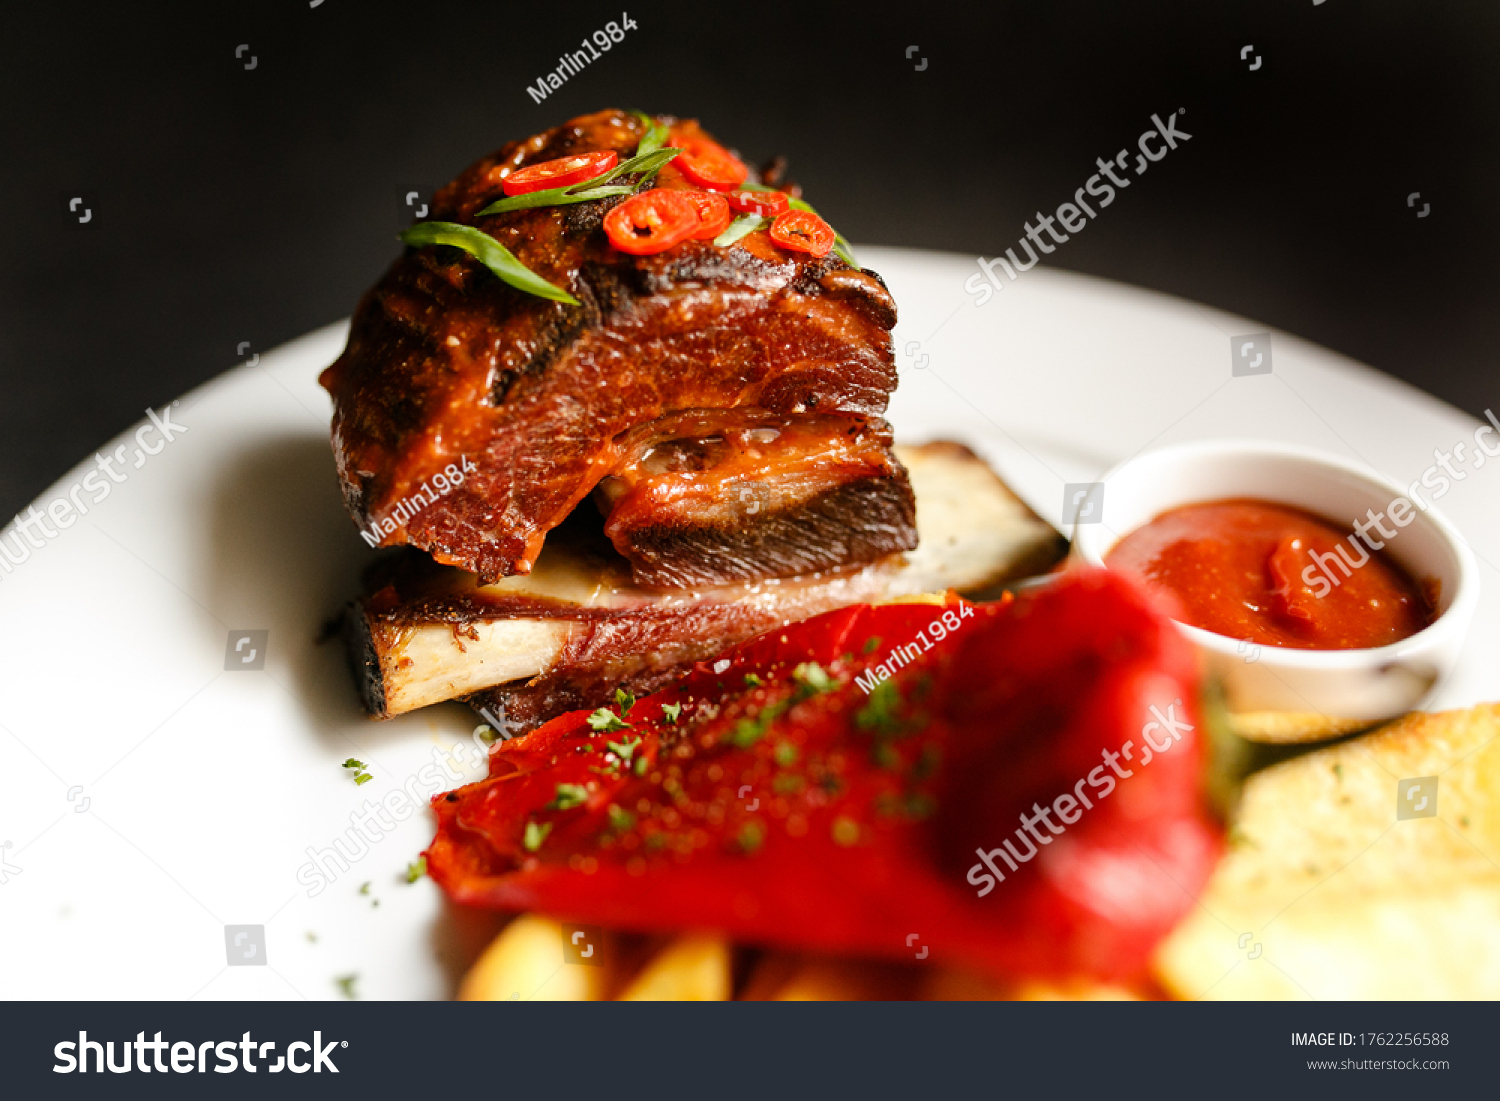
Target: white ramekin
{"points": [[1275, 693]]}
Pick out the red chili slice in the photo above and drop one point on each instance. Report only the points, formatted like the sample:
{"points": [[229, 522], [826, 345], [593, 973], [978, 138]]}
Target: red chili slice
{"points": [[765, 203], [803, 231], [562, 172], [839, 806], [713, 212], [708, 164], [652, 221]]}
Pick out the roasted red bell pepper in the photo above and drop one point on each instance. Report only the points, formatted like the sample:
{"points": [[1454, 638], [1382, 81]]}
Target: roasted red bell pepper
{"points": [[777, 796]]}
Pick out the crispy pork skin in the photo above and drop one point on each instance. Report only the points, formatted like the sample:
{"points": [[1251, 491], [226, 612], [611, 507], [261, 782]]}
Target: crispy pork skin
{"points": [[446, 363]]}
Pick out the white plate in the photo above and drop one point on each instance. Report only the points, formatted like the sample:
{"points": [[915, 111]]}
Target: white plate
{"points": [[204, 788]]}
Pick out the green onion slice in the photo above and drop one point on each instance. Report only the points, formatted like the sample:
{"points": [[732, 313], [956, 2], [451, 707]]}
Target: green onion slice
{"points": [[655, 136], [489, 252], [645, 165], [554, 196], [745, 223]]}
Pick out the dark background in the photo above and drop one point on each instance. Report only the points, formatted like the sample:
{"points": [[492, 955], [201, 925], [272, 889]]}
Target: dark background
{"points": [[235, 205], [746, 1051]]}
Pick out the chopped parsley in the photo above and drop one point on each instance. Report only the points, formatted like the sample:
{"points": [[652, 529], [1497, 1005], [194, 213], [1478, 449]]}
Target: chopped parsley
{"points": [[671, 712], [364, 888], [919, 804], [879, 712], [752, 680], [870, 644], [914, 805], [641, 765], [346, 986], [567, 797], [788, 783], [785, 754], [532, 840], [620, 819], [624, 750], [813, 677], [927, 762], [750, 838], [605, 721], [845, 831], [358, 767], [748, 731], [624, 700], [416, 869]]}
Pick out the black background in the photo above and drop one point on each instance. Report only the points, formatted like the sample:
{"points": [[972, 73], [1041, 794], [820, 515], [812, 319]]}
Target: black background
{"points": [[234, 205]]}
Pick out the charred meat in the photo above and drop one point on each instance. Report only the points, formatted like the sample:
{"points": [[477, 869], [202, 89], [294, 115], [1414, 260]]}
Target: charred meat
{"points": [[542, 401]]}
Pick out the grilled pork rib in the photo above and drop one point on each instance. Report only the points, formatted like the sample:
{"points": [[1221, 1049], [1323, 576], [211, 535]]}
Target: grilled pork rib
{"points": [[709, 497], [578, 627], [541, 401]]}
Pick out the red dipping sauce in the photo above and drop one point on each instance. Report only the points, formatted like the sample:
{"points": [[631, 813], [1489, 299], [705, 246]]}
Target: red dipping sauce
{"points": [[1261, 571]]}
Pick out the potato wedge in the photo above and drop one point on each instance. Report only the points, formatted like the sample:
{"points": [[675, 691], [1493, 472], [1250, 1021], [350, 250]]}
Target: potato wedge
{"points": [[525, 963], [1325, 893], [693, 968], [783, 977], [964, 985]]}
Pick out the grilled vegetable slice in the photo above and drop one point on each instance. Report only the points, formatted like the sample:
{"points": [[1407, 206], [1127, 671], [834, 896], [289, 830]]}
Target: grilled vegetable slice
{"points": [[769, 796]]}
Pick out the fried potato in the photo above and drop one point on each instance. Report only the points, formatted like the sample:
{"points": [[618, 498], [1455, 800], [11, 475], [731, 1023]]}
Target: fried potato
{"points": [[1325, 893], [789, 978], [693, 968], [1072, 990], [952, 984], [772, 971], [965, 985], [525, 963]]}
